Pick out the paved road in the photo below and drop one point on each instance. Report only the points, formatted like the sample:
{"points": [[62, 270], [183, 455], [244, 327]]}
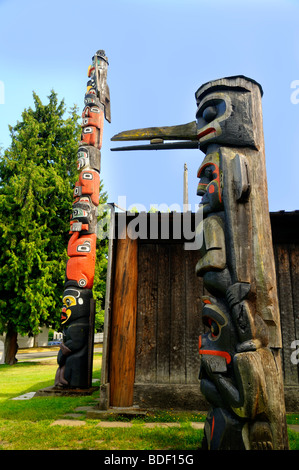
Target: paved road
{"points": [[36, 355]]}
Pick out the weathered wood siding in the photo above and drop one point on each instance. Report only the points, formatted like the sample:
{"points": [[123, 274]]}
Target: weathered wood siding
{"points": [[168, 319], [285, 235], [169, 306], [168, 315]]}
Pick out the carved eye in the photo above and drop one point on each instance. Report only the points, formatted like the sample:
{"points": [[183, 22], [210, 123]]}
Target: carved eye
{"points": [[77, 191], [214, 327], [208, 172], [84, 248], [87, 130], [82, 154], [69, 301], [87, 176], [209, 113]]}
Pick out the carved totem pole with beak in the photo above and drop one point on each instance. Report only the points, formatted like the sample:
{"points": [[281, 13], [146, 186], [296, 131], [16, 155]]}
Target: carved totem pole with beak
{"points": [[241, 373], [77, 315]]}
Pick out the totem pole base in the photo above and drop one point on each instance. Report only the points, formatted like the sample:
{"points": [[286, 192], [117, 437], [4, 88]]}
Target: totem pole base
{"points": [[60, 391]]}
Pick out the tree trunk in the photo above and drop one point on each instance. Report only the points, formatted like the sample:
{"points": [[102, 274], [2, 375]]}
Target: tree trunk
{"points": [[10, 347]]}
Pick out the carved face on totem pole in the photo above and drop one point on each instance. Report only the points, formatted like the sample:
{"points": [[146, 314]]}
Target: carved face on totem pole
{"points": [[88, 157], [76, 304], [225, 113], [218, 345], [210, 184], [81, 264]]}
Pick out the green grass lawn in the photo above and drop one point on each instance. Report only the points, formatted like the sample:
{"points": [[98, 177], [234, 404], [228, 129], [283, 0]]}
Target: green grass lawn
{"points": [[28, 424]]}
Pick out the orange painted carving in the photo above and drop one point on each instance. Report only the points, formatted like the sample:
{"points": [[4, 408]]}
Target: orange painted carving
{"points": [[81, 265], [88, 185]]}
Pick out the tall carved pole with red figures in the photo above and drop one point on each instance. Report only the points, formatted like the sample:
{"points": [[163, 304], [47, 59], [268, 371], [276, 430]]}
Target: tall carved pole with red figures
{"points": [[241, 372], [77, 317]]}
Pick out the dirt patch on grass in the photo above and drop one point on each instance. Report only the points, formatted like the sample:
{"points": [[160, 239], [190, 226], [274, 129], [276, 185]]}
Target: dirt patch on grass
{"points": [[68, 422]]}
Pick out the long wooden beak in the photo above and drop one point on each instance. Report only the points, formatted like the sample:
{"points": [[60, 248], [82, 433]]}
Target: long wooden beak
{"points": [[157, 135]]}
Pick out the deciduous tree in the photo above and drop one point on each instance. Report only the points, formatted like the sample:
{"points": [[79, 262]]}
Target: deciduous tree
{"points": [[37, 176]]}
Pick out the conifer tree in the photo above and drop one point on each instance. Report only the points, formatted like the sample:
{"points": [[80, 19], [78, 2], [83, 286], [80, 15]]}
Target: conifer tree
{"points": [[37, 176]]}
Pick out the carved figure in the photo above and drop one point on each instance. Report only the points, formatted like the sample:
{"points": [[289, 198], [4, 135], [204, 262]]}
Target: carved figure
{"points": [[76, 313], [241, 373], [73, 354], [81, 264], [244, 385]]}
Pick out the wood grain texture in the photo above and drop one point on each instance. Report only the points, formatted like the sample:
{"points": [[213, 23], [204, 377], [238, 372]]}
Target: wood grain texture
{"points": [[294, 268], [177, 327], [194, 326], [147, 312], [123, 329], [287, 281], [154, 300], [168, 319], [163, 314]]}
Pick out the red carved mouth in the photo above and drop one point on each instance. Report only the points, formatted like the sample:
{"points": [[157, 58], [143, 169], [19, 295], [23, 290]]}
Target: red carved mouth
{"points": [[210, 130], [63, 315], [211, 352]]}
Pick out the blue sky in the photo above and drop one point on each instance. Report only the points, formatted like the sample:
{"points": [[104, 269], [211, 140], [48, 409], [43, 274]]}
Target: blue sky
{"points": [[159, 53]]}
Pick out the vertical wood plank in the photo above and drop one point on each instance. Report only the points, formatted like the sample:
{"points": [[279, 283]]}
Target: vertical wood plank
{"points": [[194, 327], [286, 312], [123, 329], [294, 268], [108, 304], [147, 313], [178, 317], [163, 315]]}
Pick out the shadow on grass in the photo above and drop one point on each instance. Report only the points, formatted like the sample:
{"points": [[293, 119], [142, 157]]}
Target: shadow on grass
{"points": [[25, 377], [19, 364], [40, 408]]}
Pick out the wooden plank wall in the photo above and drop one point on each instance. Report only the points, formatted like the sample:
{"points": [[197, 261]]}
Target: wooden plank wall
{"points": [[285, 237], [169, 307], [169, 319], [168, 315], [287, 272]]}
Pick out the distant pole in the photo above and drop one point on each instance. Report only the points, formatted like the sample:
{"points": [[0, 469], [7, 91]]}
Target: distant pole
{"points": [[185, 197]]}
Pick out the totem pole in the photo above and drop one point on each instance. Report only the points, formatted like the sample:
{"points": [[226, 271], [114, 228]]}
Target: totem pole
{"points": [[77, 315], [241, 372]]}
